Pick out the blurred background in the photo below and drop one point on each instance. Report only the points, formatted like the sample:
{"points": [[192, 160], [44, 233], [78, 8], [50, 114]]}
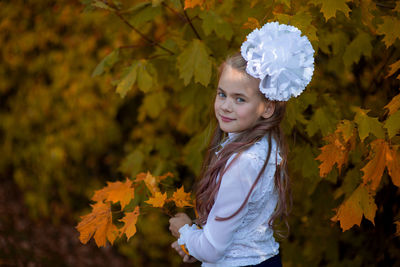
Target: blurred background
{"points": [[72, 119]]}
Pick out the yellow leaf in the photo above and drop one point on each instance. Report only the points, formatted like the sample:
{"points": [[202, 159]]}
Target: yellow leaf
{"points": [[394, 104], [387, 29], [99, 224], [151, 183], [130, 219], [114, 192], [393, 68], [181, 198], [158, 200]]}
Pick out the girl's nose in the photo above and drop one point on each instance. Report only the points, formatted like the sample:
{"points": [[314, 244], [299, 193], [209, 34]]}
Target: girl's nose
{"points": [[226, 106]]}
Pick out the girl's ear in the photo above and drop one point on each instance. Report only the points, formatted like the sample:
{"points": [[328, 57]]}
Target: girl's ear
{"points": [[269, 110]]}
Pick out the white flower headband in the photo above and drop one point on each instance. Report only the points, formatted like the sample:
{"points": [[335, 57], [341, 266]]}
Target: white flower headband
{"points": [[282, 58]]}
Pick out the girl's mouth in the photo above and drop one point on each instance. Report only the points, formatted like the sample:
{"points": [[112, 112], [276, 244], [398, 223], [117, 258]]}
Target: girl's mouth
{"points": [[226, 119]]}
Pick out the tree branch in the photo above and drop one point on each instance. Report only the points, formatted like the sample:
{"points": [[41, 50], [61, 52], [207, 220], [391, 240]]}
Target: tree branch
{"points": [[142, 35], [190, 22]]}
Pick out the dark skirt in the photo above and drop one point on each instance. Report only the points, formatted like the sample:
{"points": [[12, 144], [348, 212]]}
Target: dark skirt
{"points": [[275, 261]]}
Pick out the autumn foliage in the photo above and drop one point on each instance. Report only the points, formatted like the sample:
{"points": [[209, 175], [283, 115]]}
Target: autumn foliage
{"points": [[99, 223], [111, 95]]}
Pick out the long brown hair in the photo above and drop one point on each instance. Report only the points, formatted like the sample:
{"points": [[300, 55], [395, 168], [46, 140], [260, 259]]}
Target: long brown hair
{"points": [[214, 165]]}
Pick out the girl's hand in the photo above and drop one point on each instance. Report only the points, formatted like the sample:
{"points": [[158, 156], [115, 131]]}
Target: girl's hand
{"points": [[186, 258], [177, 222]]}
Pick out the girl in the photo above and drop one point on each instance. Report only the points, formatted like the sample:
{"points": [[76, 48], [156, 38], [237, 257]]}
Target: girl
{"points": [[245, 185]]}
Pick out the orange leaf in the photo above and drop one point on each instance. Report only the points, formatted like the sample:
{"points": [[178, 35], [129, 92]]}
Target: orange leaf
{"points": [[165, 176], [394, 104], [158, 200], [393, 165], [181, 198], [252, 23], [340, 143], [350, 212], [99, 224], [373, 170], [130, 219], [140, 177], [114, 192], [201, 3]]}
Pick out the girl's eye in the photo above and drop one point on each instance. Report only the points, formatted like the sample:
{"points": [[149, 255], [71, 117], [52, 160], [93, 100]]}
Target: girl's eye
{"points": [[240, 100], [220, 94]]}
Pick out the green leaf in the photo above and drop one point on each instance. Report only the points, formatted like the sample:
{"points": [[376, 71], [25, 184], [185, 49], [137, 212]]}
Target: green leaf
{"points": [[321, 120], [153, 104], [195, 62], [390, 29], [303, 21], [142, 13], [392, 124], [128, 80], [213, 22], [132, 163], [367, 125], [361, 45], [350, 183], [329, 8], [107, 63], [146, 76]]}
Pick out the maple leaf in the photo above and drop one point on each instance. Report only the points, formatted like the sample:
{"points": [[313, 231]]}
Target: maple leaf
{"points": [[392, 124], [360, 203], [386, 28], [373, 170], [114, 192], [329, 8], [158, 200], [194, 61], [99, 224], [367, 124], [130, 219], [181, 198], [337, 150], [380, 156]]}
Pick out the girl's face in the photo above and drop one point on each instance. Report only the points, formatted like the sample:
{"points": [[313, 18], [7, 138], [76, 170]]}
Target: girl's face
{"points": [[238, 104]]}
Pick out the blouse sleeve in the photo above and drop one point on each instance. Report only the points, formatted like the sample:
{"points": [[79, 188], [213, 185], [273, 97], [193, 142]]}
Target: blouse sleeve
{"points": [[209, 244]]}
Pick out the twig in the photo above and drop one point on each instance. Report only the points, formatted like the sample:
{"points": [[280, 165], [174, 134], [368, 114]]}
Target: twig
{"points": [[183, 18], [190, 22], [142, 35]]}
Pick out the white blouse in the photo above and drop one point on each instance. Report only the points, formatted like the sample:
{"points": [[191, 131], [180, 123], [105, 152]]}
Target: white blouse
{"points": [[245, 239]]}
